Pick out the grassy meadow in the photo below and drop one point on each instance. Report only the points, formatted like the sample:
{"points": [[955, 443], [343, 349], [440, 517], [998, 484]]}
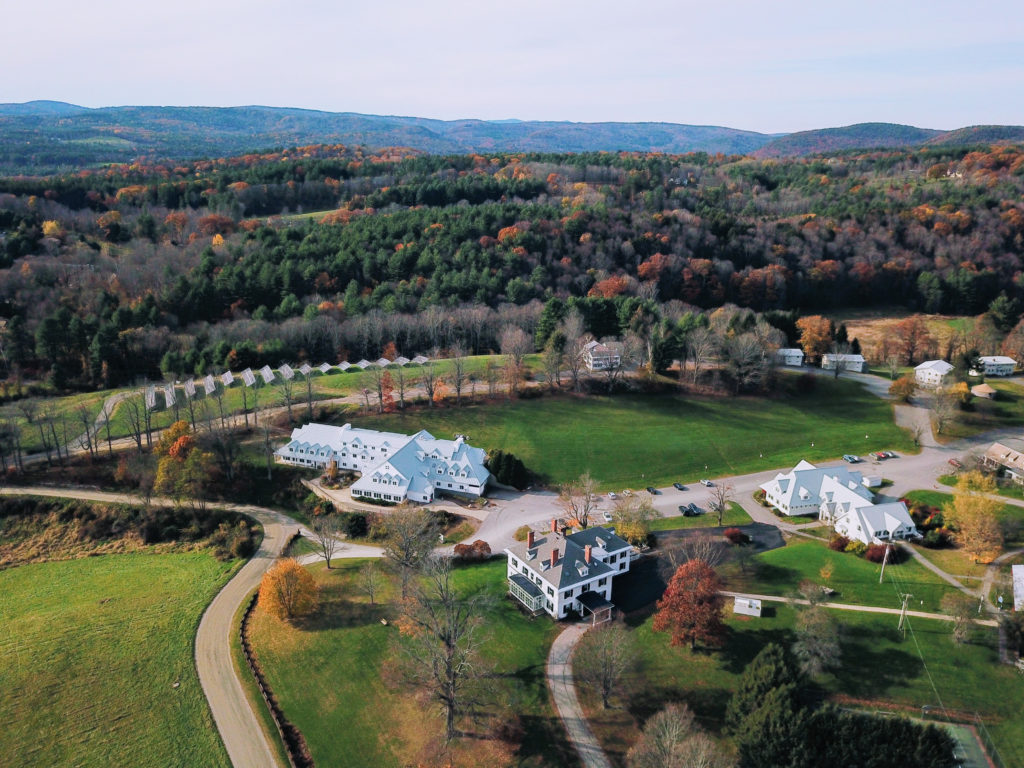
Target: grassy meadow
{"points": [[97, 661], [630, 441], [334, 678]]}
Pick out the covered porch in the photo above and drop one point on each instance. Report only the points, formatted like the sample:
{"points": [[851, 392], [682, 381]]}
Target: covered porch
{"points": [[526, 592], [594, 604]]}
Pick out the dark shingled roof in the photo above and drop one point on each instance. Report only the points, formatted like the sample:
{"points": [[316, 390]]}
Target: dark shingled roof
{"points": [[571, 567]]}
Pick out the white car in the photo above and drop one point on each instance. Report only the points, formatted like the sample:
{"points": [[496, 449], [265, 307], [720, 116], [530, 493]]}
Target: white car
{"points": [[706, 483], [612, 495], [607, 517]]}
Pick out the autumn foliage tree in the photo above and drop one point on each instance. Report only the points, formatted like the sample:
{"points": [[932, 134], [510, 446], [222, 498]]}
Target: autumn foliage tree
{"points": [[691, 608], [815, 335], [973, 512], [287, 590], [903, 388]]}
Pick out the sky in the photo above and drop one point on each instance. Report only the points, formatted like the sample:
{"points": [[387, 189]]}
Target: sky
{"points": [[771, 66]]}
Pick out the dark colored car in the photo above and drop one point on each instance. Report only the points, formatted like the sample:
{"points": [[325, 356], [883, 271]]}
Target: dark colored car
{"points": [[694, 509], [652, 490], [687, 510], [679, 486]]}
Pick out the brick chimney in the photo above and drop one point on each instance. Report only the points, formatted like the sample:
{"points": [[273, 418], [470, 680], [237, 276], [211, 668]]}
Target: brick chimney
{"points": [[529, 540], [554, 525], [554, 557], [586, 553]]}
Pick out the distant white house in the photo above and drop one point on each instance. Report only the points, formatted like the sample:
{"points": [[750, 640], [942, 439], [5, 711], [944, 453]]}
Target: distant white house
{"points": [[840, 498], [602, 357], [794, 357], [932, 374], [558, 574], [854, 363], [998, 365], [393, 467], [1017, 574]]}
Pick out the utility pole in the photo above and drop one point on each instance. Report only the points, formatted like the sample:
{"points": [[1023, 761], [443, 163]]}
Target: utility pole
{"points": [[903, 613], [885, 558]]}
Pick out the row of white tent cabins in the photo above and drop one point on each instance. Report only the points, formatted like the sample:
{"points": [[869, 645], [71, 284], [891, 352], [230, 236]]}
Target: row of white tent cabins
{"points": [[267, 376]]}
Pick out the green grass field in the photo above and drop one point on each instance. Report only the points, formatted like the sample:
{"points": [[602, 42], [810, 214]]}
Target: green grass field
{"points": [[1007, 410], [855, 580], [70, 406], [331, 675], [91, 650], [880, 670], [734, 515], [630, 441]]}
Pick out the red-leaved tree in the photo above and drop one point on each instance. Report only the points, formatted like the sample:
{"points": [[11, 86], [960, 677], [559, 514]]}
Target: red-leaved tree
{"points": [[691, 608]]}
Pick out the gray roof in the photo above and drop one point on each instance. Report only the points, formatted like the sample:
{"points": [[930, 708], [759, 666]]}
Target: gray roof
{"points": [[571, 567]]}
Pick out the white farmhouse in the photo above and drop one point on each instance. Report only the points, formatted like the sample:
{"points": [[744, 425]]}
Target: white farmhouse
{"points": [[840, 498], [560, 574], [602, 357], [855, 363], [787, 356], [393, 467], [998, 365], [932, 374], [1005, 461]]}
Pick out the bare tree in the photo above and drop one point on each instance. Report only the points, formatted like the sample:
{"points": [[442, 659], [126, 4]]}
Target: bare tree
{"points": [[458, 372], [376, 379], [325, 530], [134, 410], [629, 348], [515, 345], [702, 345], [579, 499], [604, 659], [576, 339], [225, 445], [410, 534], [286, 387], [944, 410], [493, 374], [746, 361], [718, 499], [695, 546], [370, 580], [892, 362], [85, 418], [817, 648], [671, 739], [429, 379], [553, 357], [441, 642], [400, 385], [29, 409], [839, 351]]}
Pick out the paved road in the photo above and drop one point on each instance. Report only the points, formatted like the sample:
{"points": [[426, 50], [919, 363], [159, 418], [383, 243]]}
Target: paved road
{"points": [[563, 691]]}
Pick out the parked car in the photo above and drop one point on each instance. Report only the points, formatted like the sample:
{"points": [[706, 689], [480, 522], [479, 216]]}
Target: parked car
{"points": [[627, 492], [889, 454], [607, 517], [652, 490], [956, 463], [679, 486], [851, 458], [879, 455], [687, 510], [706, 483], [612, 495], [695, 509]]}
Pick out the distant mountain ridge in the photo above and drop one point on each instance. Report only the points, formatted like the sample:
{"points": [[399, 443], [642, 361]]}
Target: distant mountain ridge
{"points": [[39, 137]]}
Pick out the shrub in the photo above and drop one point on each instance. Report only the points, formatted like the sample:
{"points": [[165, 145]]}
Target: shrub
{"points": [[735, 536], [478, 550], [937, 538], [522, 533], [761, 497], [857, 548], [354, 524], [806, 383], [508, 469], [838, 543], [875, 553]]}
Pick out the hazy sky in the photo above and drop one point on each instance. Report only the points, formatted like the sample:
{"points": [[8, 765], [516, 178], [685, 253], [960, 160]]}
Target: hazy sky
{"points": [[765, 65]]}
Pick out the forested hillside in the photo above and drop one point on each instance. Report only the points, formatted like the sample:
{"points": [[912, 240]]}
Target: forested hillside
{"points": [[106, 275]]}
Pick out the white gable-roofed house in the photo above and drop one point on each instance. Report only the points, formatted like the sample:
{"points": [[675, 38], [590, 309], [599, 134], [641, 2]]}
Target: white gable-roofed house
{"points": [[790, 356], [393, 467], [602, 357], [854, 363], [839, 497], [1004, 460], [997, 365], [932, 374], [559, 574]]}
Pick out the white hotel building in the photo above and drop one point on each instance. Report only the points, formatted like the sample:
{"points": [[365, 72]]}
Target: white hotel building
{"points": [[393, 467]]}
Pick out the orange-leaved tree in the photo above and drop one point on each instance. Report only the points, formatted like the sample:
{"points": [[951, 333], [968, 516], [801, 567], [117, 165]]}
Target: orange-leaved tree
{"points": [[691, 608], [288, 590], [815, 335]]}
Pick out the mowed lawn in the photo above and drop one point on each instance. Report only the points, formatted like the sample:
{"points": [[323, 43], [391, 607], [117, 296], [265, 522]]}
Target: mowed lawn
{"points": [[334, 678], [89, 655], [631, 441]]}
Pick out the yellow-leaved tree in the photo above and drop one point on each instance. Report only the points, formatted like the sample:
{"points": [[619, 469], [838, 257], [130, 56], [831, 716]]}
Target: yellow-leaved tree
{"points": [[288, 590], [973, 513]]}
